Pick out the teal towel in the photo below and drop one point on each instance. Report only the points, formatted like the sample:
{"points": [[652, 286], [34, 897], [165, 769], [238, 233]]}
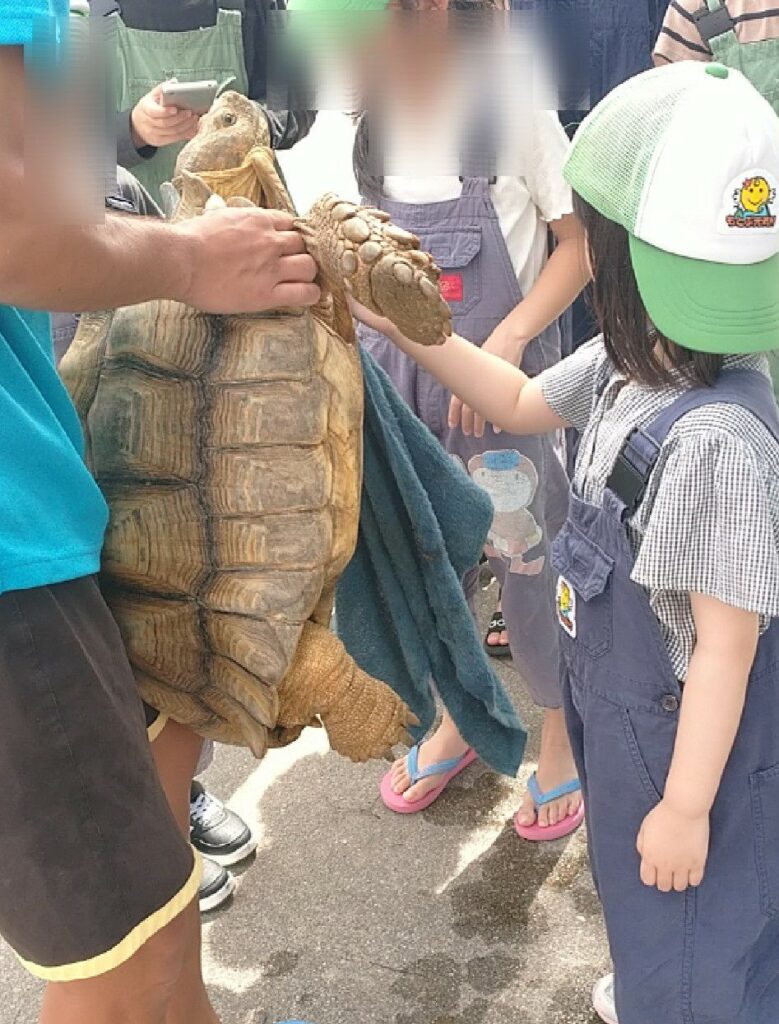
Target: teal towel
{"points": [[401, 611]]}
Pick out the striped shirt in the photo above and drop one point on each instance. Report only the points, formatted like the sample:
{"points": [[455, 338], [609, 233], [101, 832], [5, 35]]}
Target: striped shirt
{"points": [[679, 39], [709, 521]]}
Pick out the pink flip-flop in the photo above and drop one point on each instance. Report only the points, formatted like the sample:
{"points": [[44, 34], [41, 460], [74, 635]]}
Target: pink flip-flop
{"points": [[536, 833], [398, 803]]}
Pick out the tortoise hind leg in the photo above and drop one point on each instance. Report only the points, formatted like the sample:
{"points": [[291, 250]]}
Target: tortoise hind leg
{"points": [[363, 717]]}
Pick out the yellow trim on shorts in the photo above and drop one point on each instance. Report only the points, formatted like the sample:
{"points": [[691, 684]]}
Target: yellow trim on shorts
{"points": [[130, 944], [156, 727]]}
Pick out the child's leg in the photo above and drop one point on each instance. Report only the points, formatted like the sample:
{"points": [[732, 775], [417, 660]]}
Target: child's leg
{"points": [[176, 752], [532, 627], [555, 767], [528, 600]]}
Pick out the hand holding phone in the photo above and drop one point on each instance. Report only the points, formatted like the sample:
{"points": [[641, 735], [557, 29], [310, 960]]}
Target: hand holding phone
{"points": [[155, 124], [194, 96]]}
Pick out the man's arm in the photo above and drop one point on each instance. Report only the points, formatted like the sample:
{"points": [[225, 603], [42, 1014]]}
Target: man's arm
{"points": [[228, 261]]}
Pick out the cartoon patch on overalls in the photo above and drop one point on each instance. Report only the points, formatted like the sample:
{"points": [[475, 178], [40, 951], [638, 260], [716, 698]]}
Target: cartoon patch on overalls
{"points": [[511, 481], [751, 200], [566, 606]]}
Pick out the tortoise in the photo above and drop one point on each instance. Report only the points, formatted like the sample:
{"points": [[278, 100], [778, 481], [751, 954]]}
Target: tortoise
{"points": [[229, 449]]}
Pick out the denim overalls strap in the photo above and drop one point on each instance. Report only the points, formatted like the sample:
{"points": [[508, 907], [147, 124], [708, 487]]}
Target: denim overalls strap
{"points": [[636, 462]]}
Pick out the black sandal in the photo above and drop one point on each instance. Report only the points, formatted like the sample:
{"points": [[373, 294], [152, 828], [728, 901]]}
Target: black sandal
{"points": [[496, 627]]}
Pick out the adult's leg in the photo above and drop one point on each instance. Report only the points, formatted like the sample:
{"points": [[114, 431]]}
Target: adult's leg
{"points": [[141, 991], [104, 886], [176, 753]]}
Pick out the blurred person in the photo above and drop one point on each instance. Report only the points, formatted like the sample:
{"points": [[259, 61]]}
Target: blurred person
{"points": [[189, 40], [488, 234]]}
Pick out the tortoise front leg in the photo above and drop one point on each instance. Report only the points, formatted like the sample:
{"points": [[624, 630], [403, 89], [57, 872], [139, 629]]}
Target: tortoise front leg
{"points": [[359, 251], [363, 717]]}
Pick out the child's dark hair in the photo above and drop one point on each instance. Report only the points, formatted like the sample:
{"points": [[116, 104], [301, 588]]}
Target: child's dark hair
{"points": [[630, 338]]}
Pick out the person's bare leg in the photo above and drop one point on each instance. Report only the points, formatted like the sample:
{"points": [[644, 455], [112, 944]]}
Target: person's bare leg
{"points": [[176, 753], [445, 743], [556, 766], [139, 992]]}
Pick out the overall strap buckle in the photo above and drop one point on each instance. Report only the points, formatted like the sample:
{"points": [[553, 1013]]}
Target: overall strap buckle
{"points": [[629, 478], [711, 24]]}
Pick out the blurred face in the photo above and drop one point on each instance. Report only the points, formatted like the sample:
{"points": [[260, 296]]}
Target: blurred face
{"points": [[412, 53]]}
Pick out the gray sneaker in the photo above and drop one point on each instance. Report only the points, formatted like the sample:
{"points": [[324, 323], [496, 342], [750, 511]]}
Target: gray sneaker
{"points": [[216, 831], [603, 1000], [216, 886]]}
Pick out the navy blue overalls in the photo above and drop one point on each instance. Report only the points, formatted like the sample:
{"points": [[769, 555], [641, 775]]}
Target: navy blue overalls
{"points": [[710, 955]]}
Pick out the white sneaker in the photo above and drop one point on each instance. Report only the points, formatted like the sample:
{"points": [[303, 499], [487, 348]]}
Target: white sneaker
{"points": [[603, 1000]]}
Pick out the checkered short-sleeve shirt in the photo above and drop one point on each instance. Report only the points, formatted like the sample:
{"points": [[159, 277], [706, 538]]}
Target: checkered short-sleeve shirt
{"points": [[709, 522]]}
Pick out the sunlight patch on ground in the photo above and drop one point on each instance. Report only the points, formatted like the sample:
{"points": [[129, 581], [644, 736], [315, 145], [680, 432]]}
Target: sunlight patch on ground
{"points": [[246, 801], [481, 840], [216, 973]]}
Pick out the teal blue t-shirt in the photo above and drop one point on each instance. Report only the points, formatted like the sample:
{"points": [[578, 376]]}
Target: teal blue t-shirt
{"points": [[52, 515]]}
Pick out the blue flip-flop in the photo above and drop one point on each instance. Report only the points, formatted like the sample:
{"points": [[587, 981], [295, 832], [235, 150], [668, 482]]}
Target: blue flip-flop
{"points": [[547, 833]]}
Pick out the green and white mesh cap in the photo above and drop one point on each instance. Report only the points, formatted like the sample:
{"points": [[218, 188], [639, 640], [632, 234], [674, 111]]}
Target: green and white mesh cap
{"points": [[686, 158]]}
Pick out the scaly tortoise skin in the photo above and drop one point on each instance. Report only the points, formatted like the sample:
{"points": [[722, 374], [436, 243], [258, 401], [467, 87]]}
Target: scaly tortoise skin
{"points": [[229, 449]]}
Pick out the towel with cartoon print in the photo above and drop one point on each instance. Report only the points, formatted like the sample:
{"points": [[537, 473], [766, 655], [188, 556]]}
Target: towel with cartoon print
{"points": [[401, 611]]}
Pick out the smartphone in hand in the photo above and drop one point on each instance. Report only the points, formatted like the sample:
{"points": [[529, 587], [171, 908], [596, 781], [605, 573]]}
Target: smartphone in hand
{"points": [[195, 96]]}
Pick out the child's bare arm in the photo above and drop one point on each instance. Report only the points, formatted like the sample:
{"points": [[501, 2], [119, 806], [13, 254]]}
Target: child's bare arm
{"points": [[713, 701], [499, 392], [673, 841], [559, 283]]}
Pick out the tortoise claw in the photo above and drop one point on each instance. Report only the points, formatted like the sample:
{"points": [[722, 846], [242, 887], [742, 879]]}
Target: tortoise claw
{"points": [[358, 249]]}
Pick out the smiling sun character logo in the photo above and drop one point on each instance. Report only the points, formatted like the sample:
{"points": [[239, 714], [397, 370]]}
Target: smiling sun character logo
{"points": [[752, 200], [566, 606], [754, 197]]}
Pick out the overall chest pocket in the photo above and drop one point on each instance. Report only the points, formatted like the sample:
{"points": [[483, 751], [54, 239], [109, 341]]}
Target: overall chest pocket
{"points": [[457, 252], [584, 591]]}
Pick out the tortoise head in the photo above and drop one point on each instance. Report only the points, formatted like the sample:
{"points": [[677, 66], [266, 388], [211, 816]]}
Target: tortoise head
{"points": [[232, 128], [231, 156]]}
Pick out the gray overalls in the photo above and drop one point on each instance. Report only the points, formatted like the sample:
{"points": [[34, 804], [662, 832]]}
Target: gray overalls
{"points": [[524, 476], [145, 58], [710, 955]]}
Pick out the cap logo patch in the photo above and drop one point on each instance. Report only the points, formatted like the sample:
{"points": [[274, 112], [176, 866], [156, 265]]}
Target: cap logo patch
{"points": [[750, 203]]}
